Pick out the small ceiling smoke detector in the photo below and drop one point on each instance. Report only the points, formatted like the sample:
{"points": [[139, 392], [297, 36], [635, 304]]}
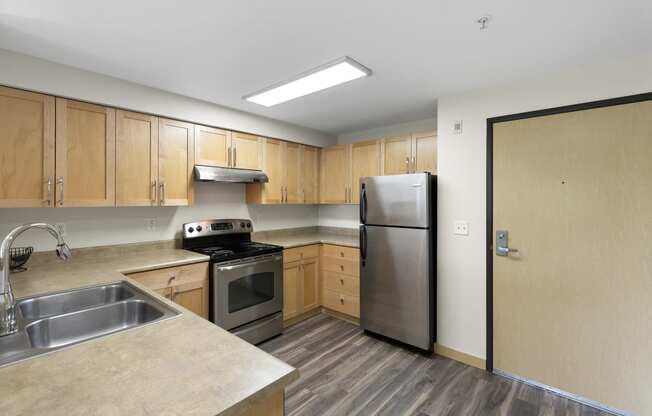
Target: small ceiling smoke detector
{"points": [[483, 21]]}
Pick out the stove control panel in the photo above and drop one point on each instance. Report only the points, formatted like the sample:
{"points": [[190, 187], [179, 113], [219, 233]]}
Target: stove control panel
{"points": [[216, 227]]}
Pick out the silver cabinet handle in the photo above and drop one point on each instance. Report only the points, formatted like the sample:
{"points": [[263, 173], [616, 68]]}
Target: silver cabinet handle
{"points": [[162, 193], [407, 165], [229, 156], [235, 157], [414, 164], [61, 184], [304, 196], [286, 194], [49, 191], [282, 196], [152, 193]]}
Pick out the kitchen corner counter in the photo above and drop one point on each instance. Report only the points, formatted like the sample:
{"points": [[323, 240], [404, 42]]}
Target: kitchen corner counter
{"points": [[291, 238], [181, 366]]}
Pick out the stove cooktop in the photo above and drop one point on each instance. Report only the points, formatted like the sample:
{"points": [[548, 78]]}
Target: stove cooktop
{"points": [[237, 251]]}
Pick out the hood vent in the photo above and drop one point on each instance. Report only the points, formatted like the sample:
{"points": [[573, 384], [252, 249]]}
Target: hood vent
{"points": [[217, 174]]}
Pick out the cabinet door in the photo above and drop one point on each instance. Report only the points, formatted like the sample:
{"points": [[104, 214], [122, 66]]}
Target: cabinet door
{"points": [[365, 161], [192, 296], [292, 173], [246, 151], [85, 156], [425, 152], [26, 149], [275, 170], [212, 146], [397, 152], [291, 280], [310, 284], [335, 175], [309, 175], [175, 162], [136, 159]]}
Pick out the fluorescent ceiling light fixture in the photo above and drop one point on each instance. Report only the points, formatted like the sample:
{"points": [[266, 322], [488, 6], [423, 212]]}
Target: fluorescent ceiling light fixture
{"points": [[329, 75]]}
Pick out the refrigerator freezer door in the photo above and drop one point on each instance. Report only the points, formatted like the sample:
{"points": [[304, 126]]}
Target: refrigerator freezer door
{"points": [[398, 200], [397, 284]]}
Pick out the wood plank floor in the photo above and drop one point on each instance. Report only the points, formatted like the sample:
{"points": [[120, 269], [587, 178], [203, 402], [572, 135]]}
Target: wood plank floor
{"points": [[347, 372]]}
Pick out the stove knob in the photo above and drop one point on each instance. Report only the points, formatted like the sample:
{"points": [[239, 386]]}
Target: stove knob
{"points": [[198, 228], [190, 229], [248, 225], [242, 225]]}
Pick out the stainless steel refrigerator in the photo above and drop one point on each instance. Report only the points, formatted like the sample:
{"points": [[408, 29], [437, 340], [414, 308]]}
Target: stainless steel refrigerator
{"points": [[397, 257]]}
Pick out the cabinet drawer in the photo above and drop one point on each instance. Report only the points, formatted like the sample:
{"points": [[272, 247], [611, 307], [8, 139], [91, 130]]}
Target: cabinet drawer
{"points": [[341, 302], [341, 252], [172, 276], [298, 253], [341, 283], [338, 265]]}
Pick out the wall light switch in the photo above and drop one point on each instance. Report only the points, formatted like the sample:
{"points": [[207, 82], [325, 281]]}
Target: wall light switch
{"points": [[461, 228]]}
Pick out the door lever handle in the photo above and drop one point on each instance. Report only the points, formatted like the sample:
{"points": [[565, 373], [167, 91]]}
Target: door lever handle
{"points": [[504, 251], [502, 244]]}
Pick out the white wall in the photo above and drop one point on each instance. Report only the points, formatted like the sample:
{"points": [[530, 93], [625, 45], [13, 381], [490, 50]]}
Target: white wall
{"points": [[23, 71], [389, 130], [87, 227], [462, 180]]}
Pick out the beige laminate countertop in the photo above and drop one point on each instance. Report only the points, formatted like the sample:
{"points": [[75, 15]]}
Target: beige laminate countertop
{"points": [[304, 239], [181, 366]]}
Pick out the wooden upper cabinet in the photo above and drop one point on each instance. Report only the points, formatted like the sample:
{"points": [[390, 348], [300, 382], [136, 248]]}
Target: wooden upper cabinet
{"points": [[273, 166], [212, 146], [309, 174], [136, 159], [175, 162], [425, 152], [335, 175], [365, 161], [397, 154], [85, 155], [292, 173], [26, 149], [246, 151]]}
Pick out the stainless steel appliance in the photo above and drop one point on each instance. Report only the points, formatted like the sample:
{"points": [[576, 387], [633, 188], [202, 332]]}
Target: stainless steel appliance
{"points": [[397, 264], [246, 281]]}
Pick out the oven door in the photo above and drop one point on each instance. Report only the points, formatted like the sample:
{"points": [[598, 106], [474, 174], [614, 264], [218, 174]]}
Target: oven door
{"points": [[247, 290]]}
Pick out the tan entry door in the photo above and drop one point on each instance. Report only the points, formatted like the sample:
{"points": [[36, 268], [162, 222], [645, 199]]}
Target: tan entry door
{"points": [[573, 308]]}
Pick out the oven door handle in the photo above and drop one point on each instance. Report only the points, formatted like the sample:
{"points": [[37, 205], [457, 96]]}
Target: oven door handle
{"points": [[249, 263]]}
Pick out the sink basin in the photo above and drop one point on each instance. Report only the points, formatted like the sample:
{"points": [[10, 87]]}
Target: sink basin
{"points": [[78, 326], [61, 303], [50, 322]]}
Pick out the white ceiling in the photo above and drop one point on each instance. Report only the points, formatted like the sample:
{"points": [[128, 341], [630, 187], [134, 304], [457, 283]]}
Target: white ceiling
{"points": [[219, 50]]}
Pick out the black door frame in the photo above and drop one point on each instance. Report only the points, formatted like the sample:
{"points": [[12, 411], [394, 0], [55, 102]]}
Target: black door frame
{"points": [[490, 139]]}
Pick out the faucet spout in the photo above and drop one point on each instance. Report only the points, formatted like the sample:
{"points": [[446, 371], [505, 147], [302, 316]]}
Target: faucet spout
{"points": [[7, 302]]}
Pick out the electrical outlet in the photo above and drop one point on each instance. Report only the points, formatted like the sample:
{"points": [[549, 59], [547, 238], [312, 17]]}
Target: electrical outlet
{"points": [[457, 127], [151, 224], [461, 228], [61, 228]]}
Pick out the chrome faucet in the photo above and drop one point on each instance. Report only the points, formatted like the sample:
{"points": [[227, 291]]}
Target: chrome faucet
{"points": [[7, 302]]}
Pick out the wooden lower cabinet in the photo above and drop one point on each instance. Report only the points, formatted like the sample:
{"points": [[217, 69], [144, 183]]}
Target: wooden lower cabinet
{"points": [[340, 271], [320, 275], [301, 285], [185, 285]]}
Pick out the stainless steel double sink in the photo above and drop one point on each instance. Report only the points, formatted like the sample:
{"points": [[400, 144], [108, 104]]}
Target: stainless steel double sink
{"points": [[54, 321]]}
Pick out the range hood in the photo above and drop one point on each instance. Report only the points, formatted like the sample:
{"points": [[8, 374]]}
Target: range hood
{"points": [[217, 174]]}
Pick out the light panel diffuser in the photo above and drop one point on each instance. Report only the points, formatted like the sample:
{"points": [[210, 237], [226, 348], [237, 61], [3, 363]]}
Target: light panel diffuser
{"points": [[333, 73]]}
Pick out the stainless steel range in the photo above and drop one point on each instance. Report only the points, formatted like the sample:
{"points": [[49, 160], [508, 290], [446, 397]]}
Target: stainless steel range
{"points": [[246, 281]]}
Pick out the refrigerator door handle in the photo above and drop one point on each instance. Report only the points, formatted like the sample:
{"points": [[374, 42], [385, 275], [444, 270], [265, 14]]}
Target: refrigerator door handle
{"points": [[363, 204], [363, 245]]}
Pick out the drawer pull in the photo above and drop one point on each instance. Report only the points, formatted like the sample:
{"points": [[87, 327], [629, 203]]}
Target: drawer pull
{"points": [[172, 277], [341, 254], [342, 267], [342, 281], [342, 301]]}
